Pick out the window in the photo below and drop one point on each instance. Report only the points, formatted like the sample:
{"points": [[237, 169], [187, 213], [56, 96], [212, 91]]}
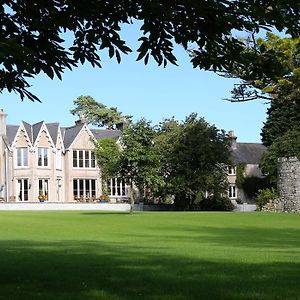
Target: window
{"points": [[117, 187], [44, 188], [84, 159], [84, 188], [22, 157], [58, 159], [43, 157], [22, 189], [231, 170], [232, 193]]}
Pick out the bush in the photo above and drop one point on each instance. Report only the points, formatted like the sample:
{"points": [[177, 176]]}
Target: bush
{"points": [[265, 196], [251, 185], [216, 203]]}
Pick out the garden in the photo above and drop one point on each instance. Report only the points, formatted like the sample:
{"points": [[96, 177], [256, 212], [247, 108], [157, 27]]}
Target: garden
{"points": [[163, 255]]}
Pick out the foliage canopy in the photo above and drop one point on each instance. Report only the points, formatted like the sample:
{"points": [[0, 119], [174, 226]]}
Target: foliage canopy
{"points": [[32, 36], [96, 113]]}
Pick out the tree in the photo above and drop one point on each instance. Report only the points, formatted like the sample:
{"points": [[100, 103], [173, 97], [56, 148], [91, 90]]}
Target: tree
{"points": [[107, 153], [140, 163], [97, 113], [195, 153], [32, 36], [275, 73], [284, 146], [282, 116]]}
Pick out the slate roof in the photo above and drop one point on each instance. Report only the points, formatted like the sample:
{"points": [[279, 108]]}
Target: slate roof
{"points": [[70, 134], [35, 130], [248, 153], [53, 131], [106, 133], [28, 129], [11, 131]]}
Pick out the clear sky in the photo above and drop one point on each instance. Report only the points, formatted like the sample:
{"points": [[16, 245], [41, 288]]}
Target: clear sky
{"points": [[141, 91]]}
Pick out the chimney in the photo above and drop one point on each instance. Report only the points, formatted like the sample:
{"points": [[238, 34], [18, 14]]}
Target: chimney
{"points": [[3, 116], [81, 120], [232, 139], [122, 125]]}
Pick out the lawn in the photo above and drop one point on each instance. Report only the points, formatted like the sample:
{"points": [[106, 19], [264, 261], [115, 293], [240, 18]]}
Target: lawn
{"points": [[94, 255]]}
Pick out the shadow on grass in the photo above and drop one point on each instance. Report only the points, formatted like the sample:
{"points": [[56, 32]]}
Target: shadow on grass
{"points": [[94, 270], [247, 237]]}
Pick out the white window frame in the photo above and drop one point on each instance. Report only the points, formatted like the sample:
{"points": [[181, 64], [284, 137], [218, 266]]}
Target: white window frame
{"points": [[44, 153], [20, 189], [24, 157], [117, 188], [86, 156], [231, 170], [232, 191], [87, 193], [45, 187]]}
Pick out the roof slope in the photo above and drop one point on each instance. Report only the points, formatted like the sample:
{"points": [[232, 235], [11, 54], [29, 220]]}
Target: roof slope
{"points": [[248, 153], [28, 129], [11, 131], [53, 131], [106, 133], [36, 129], [70, 133]]}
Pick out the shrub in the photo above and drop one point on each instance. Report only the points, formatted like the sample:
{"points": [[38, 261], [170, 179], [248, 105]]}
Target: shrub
{"points": [[253, 184], [265, 196], [216, 203]]}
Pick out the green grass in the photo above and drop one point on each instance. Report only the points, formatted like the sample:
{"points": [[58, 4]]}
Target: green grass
{"points": [[111, 256]]}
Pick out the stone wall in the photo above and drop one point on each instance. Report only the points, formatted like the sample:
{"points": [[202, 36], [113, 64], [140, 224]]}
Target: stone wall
{"points": [[289, 184]]}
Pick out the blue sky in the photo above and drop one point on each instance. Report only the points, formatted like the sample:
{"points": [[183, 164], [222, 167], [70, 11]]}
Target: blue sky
{"points": [[141, 91]]}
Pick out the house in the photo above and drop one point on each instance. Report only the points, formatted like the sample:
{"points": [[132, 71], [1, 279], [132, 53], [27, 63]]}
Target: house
{"points": [[247, 155], [45, 161], [48, 162]]}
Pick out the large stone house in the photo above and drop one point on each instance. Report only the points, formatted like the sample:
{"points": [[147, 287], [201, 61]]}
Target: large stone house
{"points": [[248, 155], [57, 164], [53, 163]]}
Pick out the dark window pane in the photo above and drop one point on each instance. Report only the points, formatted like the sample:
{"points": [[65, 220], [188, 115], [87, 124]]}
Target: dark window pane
{"points": [[80, 158], [87, 159], [45, 157], [75, 165], [93, 162]]}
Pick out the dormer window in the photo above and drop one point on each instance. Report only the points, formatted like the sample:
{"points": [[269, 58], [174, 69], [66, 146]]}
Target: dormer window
{"points": [[84, 159], [22, 157], [43, 157]]}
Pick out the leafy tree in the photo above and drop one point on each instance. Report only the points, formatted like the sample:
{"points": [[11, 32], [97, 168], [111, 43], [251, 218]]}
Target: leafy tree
{"points": [[32, 33], [140, 163], [195, 154], [282, 116], [275, 74], [97, 113], [107, 153], [284, 146]]}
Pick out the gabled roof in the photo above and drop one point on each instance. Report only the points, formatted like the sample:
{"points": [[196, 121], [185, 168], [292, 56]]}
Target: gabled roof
{"points": [[106, 133], [11, 131], [53, 131], [248, 153], [70, 133], [28, 129], [35, 130]]}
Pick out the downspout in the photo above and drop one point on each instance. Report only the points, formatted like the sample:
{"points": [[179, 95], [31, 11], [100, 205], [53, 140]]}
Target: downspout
{"points": [[6, 157]]}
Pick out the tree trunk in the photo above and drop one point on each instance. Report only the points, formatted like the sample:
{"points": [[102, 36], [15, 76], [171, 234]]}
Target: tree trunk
{"points": [[131, 198]]}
